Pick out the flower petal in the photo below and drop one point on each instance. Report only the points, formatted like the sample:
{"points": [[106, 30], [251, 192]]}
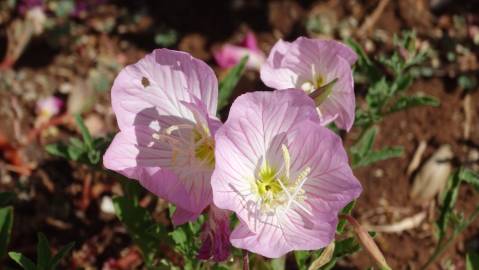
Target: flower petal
{"points": [[341, 103], [156, 85], [257, 125]]}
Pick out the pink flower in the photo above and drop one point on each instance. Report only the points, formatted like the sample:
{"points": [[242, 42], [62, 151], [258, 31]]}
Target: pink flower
{"points": [[215, 236], [284, 175], [165, 106], [49, 107], [229, 55], [311, 64]]}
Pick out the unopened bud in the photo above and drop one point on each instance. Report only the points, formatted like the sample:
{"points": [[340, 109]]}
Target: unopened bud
{"points": [[368, 243]]}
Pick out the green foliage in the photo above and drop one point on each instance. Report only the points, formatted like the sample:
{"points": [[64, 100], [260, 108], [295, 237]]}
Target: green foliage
{"points": [[345, 211], [45, 261], [386, 91], [472, 261], [362, 153], [186, 241], [228, 84], [449, 217], [6, 224], [385, 94], [87, 151], [146, 233]]}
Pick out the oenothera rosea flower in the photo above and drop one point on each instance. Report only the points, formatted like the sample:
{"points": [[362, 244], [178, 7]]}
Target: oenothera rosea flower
{"points": [[229, 55], [322, 68], [284, 175], [165, 106], [215, 235]]}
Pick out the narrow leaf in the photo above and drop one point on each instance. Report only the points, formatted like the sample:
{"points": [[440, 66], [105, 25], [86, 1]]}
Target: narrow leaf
{"points": [[23, 261], [43, 252], [406, 102], [472, 261], [449, 202], [345, 211], [57, 149], [470, 177], [376, 156], [6, 223], [84, 131], [60, 255], [228, 84]]}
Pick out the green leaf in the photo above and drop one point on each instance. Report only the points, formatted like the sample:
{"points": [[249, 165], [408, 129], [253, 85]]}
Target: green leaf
{"points": [[57, 149], [74, 153], [60, 255], [301, 257], [472, 261], [146, 233], [43, 252], [406, 102], [23, 261], [470, 177], [345, 211], [228, 84], [6, 224], [346, 247], [179, 237], [448, 202], [84, 131], [365, 144], [364, 63], [376, 156], [402, 83]]}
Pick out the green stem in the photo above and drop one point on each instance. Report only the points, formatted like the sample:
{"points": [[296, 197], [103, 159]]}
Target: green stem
{"points": [[443, 245]]}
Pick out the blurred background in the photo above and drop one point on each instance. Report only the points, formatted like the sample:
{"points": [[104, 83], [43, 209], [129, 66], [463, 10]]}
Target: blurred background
{"points": [[59, 58]]}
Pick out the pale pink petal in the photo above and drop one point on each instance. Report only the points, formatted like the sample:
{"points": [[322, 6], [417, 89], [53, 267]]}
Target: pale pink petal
{"points": [[134, 149], [157, 84], [331, 183], [291, 65], [181, 216], [341, 103], [256, 127], [273, 73], [255, 131]]}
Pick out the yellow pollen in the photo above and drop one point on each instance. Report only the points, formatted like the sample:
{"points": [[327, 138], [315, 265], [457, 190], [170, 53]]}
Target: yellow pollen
{"points": [[204, 147], [276, 189]]}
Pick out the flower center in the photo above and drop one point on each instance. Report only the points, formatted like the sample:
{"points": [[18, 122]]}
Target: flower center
{"points": [[311, 85], [276, 189], [191, 144], [204, 147]]}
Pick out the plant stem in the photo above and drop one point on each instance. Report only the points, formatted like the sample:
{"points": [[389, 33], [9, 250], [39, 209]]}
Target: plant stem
{"points": [[245, 260], [443, 245]]}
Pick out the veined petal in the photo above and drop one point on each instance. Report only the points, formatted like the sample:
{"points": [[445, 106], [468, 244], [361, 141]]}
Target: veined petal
{"points": [[156, 85], [330, 184], [256, 128], [134, 149], [181, 216], [341, 103]]}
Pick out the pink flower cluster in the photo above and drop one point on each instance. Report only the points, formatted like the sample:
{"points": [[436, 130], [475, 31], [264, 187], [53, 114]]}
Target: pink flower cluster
{"points": [[273, 162]]}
